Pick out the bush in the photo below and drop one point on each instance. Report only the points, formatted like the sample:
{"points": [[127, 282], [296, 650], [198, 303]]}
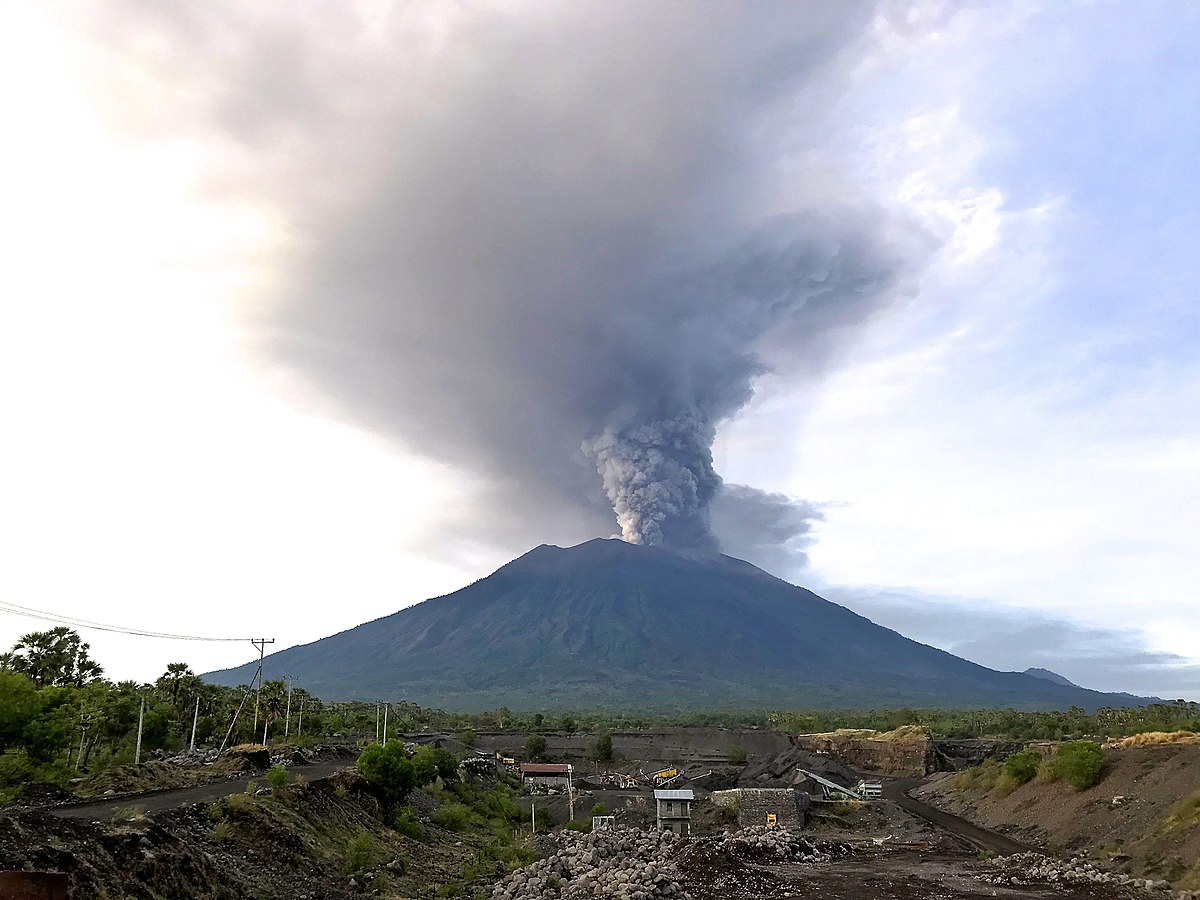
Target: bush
{"points": [[535, 746], [1079, 762], [467, 738], [403, 819], [277, 778], [599, 810], [1022, 767], [388, 771], [362, 851], [451, 816], [737, 755]]}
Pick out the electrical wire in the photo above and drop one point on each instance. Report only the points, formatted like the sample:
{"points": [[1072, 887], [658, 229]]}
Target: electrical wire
{"points": [[18, 610]]}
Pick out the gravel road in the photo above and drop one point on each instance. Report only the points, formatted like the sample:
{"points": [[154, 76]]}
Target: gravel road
{"points": [[979, 838], [157, 801]]}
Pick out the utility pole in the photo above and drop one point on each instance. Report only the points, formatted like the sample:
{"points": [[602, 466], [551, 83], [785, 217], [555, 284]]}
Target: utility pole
{"points": [[266, 722], [261, 644], [287, 716], [570, 794], [137, 753], [300, 721], [195, 719], [377, 723], [385, 712]]}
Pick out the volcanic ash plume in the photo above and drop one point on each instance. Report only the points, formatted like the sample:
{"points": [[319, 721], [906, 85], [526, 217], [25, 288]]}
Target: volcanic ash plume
{"points": [[660, 480], [514, 228]]}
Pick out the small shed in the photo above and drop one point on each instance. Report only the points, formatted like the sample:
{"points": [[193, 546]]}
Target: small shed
{"points": [[546, 777], [675, 810]]}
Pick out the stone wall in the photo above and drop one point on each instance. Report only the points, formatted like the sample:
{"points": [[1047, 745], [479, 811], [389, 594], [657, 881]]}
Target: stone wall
{"points": [[753, 804]]}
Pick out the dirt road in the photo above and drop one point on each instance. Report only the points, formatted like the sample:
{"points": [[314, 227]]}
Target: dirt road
{"points": [[157, 801], [979, 838]]}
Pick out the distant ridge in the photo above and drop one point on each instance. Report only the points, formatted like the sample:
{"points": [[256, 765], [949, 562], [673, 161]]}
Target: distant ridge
{"points": [[1050, 676], [607, 624]]}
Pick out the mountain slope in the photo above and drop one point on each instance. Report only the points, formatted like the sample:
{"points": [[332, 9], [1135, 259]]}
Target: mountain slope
{"points": [[610, 624]]}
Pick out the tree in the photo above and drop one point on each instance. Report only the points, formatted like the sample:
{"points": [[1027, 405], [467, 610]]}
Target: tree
{"points": [[55, 657], [388, 770], [179, 683], [19, 706], [737, 755], [535, 746], [431, 762], [602, 748]]}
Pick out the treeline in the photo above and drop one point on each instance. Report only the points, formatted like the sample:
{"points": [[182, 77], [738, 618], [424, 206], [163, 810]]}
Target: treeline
{"points": [[1007, 724], [61, 719]]}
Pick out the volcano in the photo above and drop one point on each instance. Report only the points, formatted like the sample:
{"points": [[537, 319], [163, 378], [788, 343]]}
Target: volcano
{"points": [[612, 625]]}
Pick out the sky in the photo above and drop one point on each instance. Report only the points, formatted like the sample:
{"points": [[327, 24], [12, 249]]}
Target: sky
{"points": [[309, 313]]}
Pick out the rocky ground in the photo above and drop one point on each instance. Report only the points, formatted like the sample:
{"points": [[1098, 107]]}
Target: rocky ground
{"points": [[758, 862]]}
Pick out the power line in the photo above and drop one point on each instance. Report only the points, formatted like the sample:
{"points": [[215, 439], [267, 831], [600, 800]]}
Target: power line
{"points": [[58, 619]]}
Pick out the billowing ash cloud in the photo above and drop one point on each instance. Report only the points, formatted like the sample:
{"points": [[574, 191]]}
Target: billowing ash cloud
{"points": [[547, 242], [660, 479], [769, 529]]}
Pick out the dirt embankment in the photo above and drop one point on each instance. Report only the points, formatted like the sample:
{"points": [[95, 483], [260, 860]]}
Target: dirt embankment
{"points": [[320, 840], [1144, 812], [905, 752]]}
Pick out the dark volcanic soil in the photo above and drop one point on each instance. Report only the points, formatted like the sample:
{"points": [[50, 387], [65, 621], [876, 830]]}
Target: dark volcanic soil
{"points": [[880, 875]]}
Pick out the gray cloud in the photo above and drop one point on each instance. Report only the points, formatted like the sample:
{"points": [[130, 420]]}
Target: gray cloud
{"points": [[547, 245], [1017, 639], [771, 530]]}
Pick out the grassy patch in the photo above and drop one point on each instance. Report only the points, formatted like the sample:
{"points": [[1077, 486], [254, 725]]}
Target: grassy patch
{"points": [[1152, 738], [1183, 816], [982, 777]]}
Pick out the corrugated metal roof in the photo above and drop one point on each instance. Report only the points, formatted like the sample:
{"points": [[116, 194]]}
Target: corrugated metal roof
{"points": [[543, 768], [674, 795]]}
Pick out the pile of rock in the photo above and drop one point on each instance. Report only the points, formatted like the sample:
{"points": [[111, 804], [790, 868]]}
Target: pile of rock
{"points": [[764, 844], [620, 863], [1034, 868], [205, 757]]}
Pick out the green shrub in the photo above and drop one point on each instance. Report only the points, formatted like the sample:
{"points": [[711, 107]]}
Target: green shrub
{"points": [[599, 810], [431, 762], [388, 771], [1047, 771], [451, 816], [1079, 762], [1022, 767], [737, 755], [362, 850], [467, 738], [535, 746], [404, 820], [277, 778]]}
